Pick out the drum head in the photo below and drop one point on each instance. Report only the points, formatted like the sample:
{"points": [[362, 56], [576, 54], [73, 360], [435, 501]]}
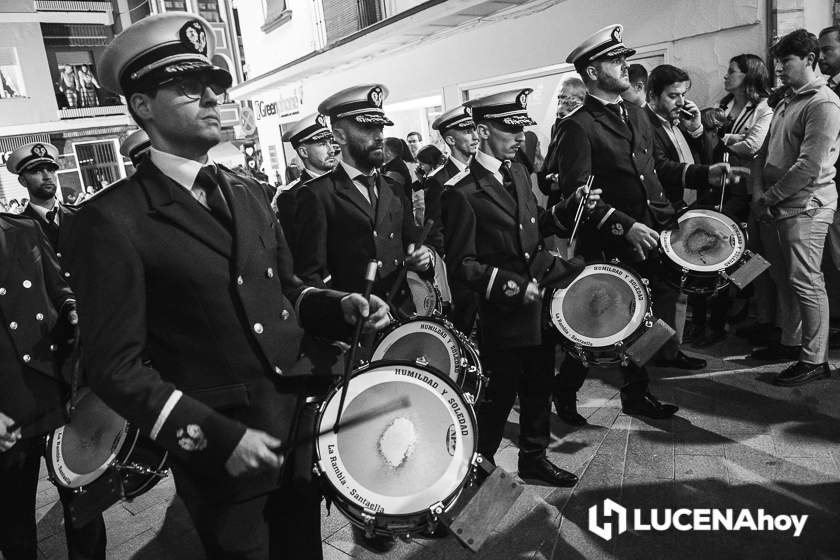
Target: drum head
{"points": [[428, 340], [423, 294], [84, 449], [605, 304], [402, 462], [706, 241]]}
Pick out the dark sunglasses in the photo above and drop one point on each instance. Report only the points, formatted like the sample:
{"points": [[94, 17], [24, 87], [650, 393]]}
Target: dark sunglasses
{"points": [[194, 88]]}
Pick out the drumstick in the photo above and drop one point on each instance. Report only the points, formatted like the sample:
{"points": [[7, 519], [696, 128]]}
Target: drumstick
{"points": [[427, 227], [370, 276], [723, 182], [579, 214], [372, 414]]}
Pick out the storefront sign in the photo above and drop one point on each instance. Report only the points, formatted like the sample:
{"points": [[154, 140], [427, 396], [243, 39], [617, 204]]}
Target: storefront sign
{"points": [[291, 98], [264, 110]]}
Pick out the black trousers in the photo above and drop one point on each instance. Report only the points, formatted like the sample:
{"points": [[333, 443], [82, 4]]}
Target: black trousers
{"points": [[524, 371], [18, 487]]}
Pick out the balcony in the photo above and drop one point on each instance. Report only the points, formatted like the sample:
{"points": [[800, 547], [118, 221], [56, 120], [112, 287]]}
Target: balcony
{"points": [[86, 112], [71, 6]]}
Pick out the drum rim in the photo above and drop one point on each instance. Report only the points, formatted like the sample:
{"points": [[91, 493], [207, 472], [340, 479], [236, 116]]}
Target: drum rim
{"points": [[636, 321], [60, 472], [345, 498], [731, 260], [455, 363]]}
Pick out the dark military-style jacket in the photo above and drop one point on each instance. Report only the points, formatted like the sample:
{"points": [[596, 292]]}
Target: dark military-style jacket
{"points": [[492, 245], [34, 304], [338, 233], [287, 207], [595, 141], [191, 329]]}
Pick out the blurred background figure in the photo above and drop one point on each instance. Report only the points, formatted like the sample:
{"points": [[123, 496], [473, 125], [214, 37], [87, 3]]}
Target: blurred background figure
{"points": [[637, 92], [415, 142], [571, 96], [429, 158]]}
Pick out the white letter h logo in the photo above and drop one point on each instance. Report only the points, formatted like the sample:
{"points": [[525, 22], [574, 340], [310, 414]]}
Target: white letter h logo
{"points": [[610, 508]]}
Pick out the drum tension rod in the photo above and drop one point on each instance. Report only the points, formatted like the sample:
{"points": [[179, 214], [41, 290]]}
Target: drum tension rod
{"points": [[137, 468]]}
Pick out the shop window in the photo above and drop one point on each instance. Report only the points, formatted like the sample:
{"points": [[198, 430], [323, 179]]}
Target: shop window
{"points": [[99, 164], [209, 10], [11, 79], [175, 5]]}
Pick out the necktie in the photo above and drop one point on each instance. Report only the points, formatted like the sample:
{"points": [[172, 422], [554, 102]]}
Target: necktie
{"points": [[369, 181], [207, 182], [507, 179], [51, 215], [618, 109]]}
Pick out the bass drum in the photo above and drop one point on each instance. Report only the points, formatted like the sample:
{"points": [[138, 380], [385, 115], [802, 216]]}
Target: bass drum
{"points": [[602, 312], [98, 440], [433, 341], [397, 473], [703, 252]]}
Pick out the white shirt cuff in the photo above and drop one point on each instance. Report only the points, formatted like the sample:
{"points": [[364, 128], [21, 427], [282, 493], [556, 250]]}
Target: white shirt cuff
{"points": [[490, 283]]}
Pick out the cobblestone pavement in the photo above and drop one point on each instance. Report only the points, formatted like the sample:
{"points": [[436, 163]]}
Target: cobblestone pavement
{"points": [[737, 442]]}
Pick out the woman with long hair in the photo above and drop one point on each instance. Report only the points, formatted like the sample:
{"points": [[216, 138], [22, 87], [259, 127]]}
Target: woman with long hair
{"points": [[738, 127]]}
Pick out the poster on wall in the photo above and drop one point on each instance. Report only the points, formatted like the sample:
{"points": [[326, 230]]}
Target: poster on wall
{"points": [[11, 78]]}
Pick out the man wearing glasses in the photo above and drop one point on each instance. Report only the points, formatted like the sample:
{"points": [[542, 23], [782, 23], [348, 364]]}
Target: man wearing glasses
{"points": [[190, 309]]}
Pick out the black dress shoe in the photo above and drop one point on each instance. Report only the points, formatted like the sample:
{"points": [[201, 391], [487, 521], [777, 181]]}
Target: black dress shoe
{"points": [[776, 353], [545, 471], [681, 361], [649, 406], [568, 413], [379, 544], [801, 373]]}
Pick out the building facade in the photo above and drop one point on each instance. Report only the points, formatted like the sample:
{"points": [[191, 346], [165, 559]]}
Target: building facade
{"points": [[49, 90], [436, 54]]}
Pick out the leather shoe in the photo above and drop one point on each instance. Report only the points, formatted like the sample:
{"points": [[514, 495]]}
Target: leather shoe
{"points": [[775, 353], [568, 413], [648, 405], [379, 544], [801, 373], [545, 471], [681, 361]]}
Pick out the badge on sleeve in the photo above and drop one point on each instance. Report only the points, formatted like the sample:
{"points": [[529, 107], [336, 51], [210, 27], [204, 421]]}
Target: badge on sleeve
{"points": [[510, 288], [191, 438], [617, 229]]}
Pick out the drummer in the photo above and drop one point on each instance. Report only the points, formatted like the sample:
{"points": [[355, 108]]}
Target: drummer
{"points": [[184, 264], [39, 322], [613, 141], [493, 230], [354, 214]]}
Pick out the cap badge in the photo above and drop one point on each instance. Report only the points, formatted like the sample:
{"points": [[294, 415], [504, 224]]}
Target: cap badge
{"points": [[468, 111], [193, 36], [616, 34], [522, 99], [321, 121], [375, 96], [39, 150]]}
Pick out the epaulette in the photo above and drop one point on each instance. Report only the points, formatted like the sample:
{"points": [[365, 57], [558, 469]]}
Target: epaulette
{"points": [[12, 217], [455, 179], [99, 194]]}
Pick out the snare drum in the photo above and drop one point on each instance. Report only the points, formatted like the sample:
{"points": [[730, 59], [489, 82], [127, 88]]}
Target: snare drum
{"points": [[602, 312], [701, 255], [97, 440], [433, 341], [397, 473]]}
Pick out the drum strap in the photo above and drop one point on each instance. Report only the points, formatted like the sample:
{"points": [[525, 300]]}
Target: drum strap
{"points": [[76, 376]]}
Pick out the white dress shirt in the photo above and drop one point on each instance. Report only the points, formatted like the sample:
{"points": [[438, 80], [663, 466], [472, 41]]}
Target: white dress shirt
{"points": [[181, 170], [353, 173], [41, 211], [491, 164]]}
